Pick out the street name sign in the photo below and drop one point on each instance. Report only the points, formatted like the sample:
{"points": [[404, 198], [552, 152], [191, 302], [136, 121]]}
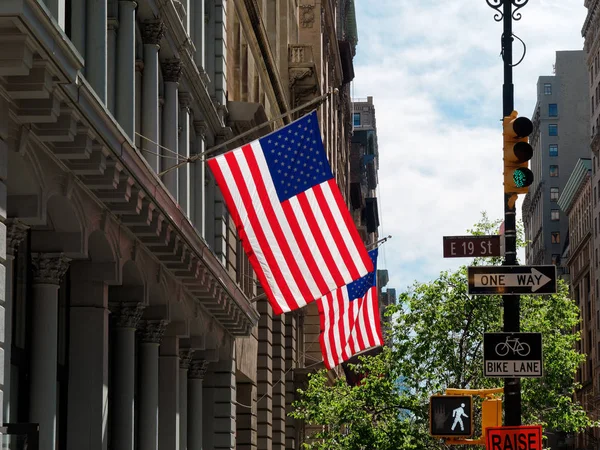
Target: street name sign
{"points": [[492, 280], [451, 415], [524, 437], [507, 355], [471, 246]]}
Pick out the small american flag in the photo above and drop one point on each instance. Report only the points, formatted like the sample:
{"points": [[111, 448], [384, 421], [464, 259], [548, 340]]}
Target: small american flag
{"points": [[350, 321], [290, 215]]}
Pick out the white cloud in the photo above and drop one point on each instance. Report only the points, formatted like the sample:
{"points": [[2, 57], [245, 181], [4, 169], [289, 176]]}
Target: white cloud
{"points": [[435, 73]]}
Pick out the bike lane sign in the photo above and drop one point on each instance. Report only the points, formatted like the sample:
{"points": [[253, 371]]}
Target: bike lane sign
{"points": [[507, 355]]}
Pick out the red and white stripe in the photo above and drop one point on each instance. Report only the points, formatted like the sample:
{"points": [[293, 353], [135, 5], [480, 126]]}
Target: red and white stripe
{"points": [[348, 327], [300, 249]]}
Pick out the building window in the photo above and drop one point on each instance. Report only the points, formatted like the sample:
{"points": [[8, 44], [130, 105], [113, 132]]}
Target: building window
{"points": [[555, 237], [552, 129], [553, 149], [547, 89], [553, 110], [356, 119], [553, 171], [553, 194], [555, 214]]}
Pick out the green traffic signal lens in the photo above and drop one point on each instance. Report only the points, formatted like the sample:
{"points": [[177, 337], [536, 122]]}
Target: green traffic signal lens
{"points": [[522, 177]]}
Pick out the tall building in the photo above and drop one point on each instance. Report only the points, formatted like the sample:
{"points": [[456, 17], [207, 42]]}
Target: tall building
{"points": [[132, 316], [559, 139], [576, 203]]}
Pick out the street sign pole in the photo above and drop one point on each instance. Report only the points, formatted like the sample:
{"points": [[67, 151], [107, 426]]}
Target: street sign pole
{"points": [[512, 386]]}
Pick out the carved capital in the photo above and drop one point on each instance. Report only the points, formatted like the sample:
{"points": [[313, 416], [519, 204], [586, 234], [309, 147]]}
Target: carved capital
{"points": [[153, 31], [15, 233], [185, 99], [127, 315], [198, 368], [49, 268], [171, 71], [200, 127], [152, 331], [185, 358]]}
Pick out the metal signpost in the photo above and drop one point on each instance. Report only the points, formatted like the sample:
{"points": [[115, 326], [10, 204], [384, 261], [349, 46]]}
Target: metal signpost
{"points": [[512, 355], [471, 246], [494, 280]]}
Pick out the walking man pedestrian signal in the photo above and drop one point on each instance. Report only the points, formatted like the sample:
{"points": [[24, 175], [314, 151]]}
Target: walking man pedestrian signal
{"points": [[458, 414], [451, 415]]}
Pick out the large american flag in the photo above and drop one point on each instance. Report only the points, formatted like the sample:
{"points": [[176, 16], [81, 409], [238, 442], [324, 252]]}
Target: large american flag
{"points": [[350, 321], [290, 215]]}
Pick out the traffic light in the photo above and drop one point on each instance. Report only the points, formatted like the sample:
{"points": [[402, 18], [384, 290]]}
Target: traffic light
{"points": [[517, 153], [451, 415]]}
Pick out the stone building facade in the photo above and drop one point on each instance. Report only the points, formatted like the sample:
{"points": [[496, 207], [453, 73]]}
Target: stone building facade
{"points": [[576, 203], [559, 139], [131, 316]]}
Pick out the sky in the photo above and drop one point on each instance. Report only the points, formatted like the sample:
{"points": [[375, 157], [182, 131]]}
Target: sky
{"points": [[434, 70]]}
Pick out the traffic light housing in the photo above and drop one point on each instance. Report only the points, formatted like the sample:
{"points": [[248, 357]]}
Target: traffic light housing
{"points": [[517, 153], [451, 416]]}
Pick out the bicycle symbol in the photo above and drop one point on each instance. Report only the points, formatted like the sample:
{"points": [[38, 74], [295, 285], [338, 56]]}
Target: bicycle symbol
{"points": [[514, 345]]}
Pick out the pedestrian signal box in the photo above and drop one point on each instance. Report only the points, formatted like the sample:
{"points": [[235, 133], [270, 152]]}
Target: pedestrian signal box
{"points": [[451, 415]]}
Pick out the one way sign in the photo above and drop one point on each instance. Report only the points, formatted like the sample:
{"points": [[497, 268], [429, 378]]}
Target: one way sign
{"points": [[491, 280]]}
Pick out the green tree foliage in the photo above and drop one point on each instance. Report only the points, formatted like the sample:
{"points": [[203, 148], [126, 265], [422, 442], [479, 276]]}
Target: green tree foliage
{"points": [[435, 341]]}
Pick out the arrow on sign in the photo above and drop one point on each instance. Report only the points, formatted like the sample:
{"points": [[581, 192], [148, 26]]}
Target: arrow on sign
{"points": [[534, 279]]}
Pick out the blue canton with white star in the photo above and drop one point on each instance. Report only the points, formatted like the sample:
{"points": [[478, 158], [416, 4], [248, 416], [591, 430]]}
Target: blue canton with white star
{"points": [[359, 288], [296, 158]]}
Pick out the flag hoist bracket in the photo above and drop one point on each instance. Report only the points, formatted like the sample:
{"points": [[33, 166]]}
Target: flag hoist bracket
{"points": [[488, 395], [252, 130], [370, 247]]}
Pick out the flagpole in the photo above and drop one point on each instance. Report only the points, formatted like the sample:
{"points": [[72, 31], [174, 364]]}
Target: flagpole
{"points": [[252, 130], [379, 242]]}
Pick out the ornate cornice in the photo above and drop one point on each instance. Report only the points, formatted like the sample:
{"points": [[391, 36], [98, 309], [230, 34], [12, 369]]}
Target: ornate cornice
{"points": [[15, 233], [49, 268], [171, 71], [153, 31], [152, 331], [185, 358], [127, 315], [198, 368]]}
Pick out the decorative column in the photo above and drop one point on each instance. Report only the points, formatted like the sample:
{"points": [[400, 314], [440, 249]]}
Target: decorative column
{"points": [[152, 33], [265, 375], [88, 359], [220, 51], [150, 337], [185, 358], [111, 53], [96, 47], [139, 69], [125, 109], [168, 394], [15, 233], [279, 415], [198, 30], [184, 152], [196, 374], [48, 269], [78, 26], [57, 8], [126, 317], [291, 359], [198, 178], [170, 125], [245, 424], [220, 399]]}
